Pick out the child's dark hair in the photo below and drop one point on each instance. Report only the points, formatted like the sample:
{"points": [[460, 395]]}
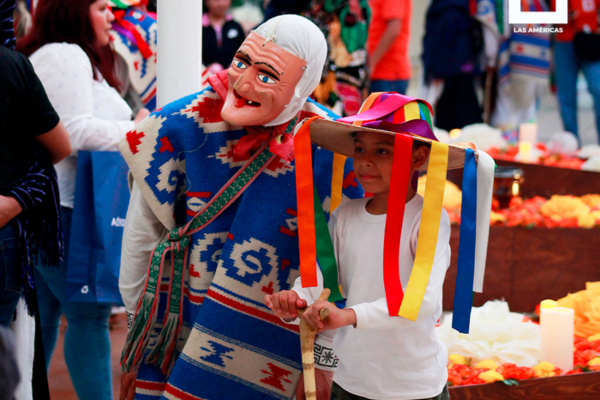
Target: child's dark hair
{"points": [[417, 144]]}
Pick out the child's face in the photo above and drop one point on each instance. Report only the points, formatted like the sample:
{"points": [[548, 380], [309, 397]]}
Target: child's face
{"points": [[373, 158]]}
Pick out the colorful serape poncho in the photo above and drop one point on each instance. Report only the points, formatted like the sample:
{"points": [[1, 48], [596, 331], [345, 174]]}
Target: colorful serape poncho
{"points": [[135, 36], [525, 54], [231, 345]]}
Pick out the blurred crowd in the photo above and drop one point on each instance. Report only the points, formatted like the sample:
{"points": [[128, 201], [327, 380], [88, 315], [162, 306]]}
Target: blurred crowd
{"points": [[80, 74]]}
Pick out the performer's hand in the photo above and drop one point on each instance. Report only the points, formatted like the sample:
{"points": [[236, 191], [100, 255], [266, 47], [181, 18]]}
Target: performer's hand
{"points": [[323, 381], [127, 385], [285, 304], [337, 318]]}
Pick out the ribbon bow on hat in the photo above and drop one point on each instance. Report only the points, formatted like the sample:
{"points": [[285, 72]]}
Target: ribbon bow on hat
{"points": [[407, 119]]}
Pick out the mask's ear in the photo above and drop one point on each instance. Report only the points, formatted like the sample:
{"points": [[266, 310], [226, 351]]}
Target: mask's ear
{"points": [[420, 154]]}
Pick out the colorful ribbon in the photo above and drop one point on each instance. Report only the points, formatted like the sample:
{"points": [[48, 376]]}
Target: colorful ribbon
{"points": [[463, 292], [306, 209], [367, 104], [313, 235], [325, 252], [417, 127], [141, 44], [428, 232], [337, 180], [388, 106], [393, 223], [485, 185]]}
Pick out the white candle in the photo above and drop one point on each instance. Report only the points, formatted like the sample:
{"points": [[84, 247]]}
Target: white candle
{"points": [[179, 52], [528, 132], [557, 329]]}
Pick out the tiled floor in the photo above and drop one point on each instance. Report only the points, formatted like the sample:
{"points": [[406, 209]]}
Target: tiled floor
{"points": [[61, 387]]}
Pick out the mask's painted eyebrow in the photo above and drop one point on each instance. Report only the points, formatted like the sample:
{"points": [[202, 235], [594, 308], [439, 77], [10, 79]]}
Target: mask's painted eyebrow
{"points": [[243, 54], [268, 65]]}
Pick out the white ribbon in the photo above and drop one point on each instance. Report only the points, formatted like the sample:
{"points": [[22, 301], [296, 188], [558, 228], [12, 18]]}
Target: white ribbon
{"points": [[485, 186]]}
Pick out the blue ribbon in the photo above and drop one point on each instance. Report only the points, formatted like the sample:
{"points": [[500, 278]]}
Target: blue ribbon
{"points": [[463, 293]]}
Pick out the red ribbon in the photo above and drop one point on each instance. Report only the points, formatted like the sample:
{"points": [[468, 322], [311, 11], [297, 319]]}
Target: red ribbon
{"points": [[281, 144], [139, 40], [394, 220]]}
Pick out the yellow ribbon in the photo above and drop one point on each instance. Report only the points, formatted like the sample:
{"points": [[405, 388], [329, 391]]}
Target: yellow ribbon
{"points": [[412, 111], [428, 232], [337, 180]]}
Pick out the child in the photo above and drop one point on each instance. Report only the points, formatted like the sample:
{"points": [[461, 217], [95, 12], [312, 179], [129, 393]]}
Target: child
{"points": [[380, 357]]}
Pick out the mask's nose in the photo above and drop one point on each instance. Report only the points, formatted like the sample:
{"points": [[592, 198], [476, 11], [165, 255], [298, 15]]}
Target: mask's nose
{"points": [[243, 84]]}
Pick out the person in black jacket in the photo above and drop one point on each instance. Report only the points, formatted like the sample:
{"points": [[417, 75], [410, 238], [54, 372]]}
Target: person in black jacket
{"points": [[221, 35]]}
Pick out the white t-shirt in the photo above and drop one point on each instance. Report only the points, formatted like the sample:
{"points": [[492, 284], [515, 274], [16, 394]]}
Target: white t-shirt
{"points": [[94, 114], [385, 357]]}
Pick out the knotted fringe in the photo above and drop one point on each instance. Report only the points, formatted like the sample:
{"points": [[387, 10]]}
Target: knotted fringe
{"points": [[164, 352], [139, 334]]}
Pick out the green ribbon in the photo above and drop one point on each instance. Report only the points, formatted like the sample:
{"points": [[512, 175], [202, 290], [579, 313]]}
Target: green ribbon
{"points": [[325, 253]]}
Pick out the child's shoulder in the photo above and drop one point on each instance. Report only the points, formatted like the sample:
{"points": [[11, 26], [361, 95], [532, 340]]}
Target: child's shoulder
{"points": [[348, 207]]}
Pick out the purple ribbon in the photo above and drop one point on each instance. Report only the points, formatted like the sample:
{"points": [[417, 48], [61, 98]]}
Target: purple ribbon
{"points": [[122, 31], [417, 127]]}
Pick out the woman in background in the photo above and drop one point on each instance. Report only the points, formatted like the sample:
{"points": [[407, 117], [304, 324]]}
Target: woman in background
{"points": [[69, 47], [221, 35]]}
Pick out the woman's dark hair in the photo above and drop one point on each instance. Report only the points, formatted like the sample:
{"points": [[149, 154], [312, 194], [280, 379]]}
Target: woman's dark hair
{"points": [[57, 21]]}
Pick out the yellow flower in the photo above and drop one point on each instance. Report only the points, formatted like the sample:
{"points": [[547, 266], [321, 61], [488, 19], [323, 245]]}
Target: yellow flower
{"points": [[452, 194], [497, 217], [544, 369], [457, 359], [591, 200], [491, 376], [594, 361], [559, 207], [594, 337], [586, 221], [487, 364]]}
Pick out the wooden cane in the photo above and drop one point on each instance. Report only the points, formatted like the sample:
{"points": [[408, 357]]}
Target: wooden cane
{"points": [[307, 346]]}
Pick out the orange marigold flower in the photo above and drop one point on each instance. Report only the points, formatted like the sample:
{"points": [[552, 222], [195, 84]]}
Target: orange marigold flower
{"points": [[573, 371], [583, 357], [508, 370], [525, 373]]}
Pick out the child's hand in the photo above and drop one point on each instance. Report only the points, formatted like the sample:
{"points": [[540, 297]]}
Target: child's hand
{"points": [[337, 318], [285, 304]]}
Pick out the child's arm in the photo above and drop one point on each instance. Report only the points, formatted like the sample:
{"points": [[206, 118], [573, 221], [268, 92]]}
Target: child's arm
{"points": [[374, 315]]}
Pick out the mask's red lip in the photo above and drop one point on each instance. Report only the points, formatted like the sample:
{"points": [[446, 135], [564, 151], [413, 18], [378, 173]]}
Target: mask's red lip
{"points": [[241, 102]]}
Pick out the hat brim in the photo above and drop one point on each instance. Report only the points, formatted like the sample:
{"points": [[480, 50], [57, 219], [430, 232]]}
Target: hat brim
{"points": [[337, 137]]}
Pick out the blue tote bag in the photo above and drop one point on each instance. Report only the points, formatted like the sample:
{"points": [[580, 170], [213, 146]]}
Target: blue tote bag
{"points": [[101, 200]]}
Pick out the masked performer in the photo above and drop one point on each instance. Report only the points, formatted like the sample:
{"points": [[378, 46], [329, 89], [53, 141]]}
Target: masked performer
{"points": [[228, 151]]}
